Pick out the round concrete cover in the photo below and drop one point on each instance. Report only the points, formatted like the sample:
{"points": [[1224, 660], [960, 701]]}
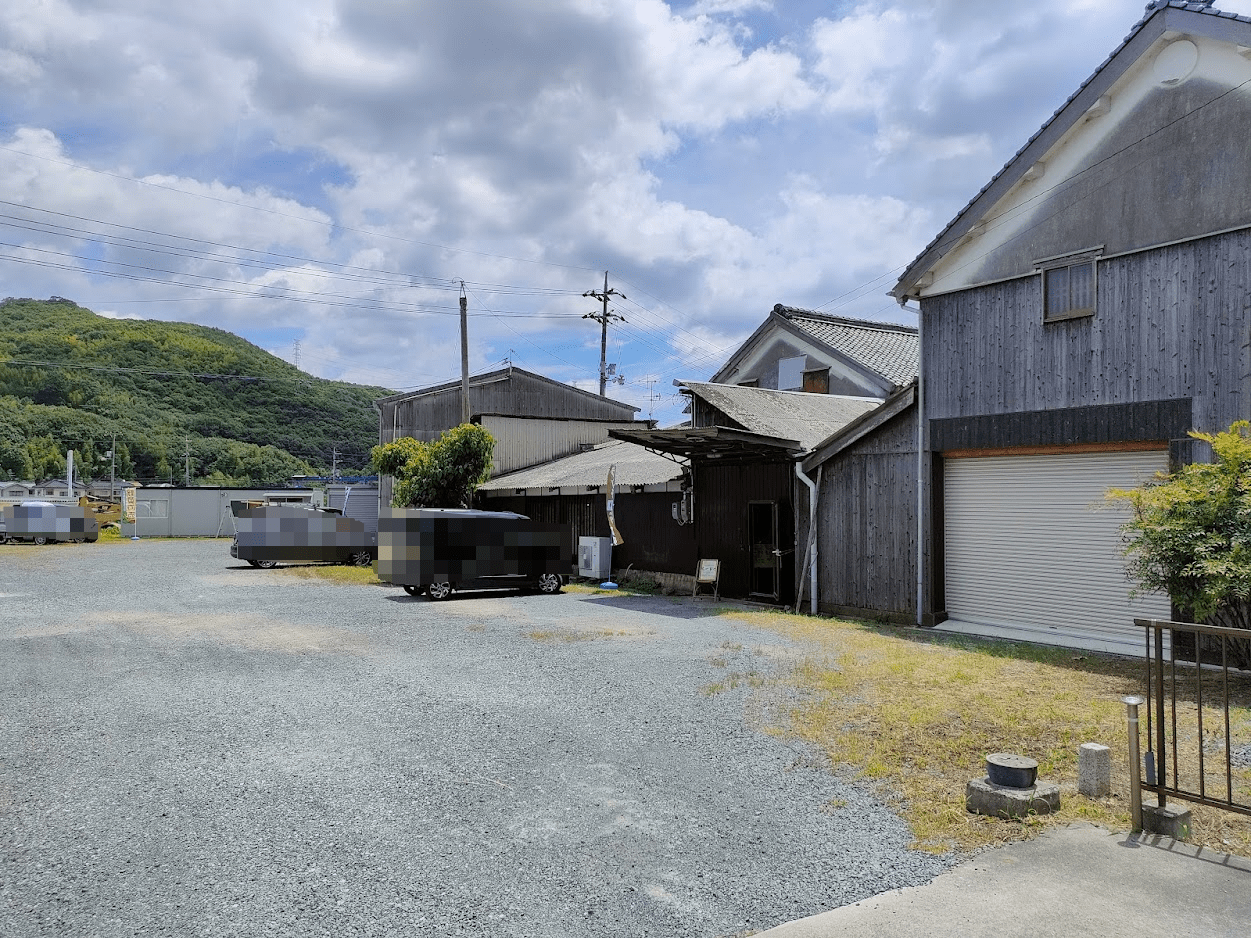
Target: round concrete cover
{"points": [[1007, 768]]}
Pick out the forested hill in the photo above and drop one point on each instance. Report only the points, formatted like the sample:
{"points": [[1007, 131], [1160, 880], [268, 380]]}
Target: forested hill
{"points": [[70, 379]]}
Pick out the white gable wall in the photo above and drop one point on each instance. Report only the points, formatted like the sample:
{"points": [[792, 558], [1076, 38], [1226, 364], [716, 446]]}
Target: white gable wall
{"points": [[761, 364], [1127, 176]]}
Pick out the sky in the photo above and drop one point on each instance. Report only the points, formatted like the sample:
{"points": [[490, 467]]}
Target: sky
{"points": [[327, 178]]}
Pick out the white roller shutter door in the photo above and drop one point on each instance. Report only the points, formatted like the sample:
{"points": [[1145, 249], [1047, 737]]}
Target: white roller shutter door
{"points": [[1033, 550]]}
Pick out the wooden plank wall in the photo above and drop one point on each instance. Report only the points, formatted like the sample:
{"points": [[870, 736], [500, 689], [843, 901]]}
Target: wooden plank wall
{"points": [[866, 522], [1171, 322], [722, 494], [653, 540], [426, 416]]}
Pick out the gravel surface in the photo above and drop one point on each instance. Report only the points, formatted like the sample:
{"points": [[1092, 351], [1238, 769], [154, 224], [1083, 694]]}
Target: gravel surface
{"points": [[192, 747]]}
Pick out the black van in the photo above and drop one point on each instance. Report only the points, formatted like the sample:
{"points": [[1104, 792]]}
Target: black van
{"points": [[438, 550]]}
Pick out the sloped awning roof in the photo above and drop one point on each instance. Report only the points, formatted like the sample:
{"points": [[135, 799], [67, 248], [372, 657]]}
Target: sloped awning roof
{"points": [[729, 445]]}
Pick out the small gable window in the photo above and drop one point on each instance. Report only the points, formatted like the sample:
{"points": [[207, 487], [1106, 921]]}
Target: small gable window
{"points": [[817, 381], [1070, 286]]}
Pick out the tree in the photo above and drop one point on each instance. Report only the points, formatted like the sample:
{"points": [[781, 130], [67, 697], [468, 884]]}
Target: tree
{"points": [[442, 474], [1190, 533]]}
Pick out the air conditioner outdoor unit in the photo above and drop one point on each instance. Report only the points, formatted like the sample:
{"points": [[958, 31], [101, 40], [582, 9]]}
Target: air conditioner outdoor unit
{"points": [[595, 557]]}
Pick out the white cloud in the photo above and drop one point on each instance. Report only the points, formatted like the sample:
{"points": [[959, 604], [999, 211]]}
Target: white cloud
{"points": [[521, 147]]}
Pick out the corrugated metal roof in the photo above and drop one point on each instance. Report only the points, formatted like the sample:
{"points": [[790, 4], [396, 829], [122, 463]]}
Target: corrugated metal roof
{"points": [[635, 466], [790, 415], [890, 350], [949, 236]]}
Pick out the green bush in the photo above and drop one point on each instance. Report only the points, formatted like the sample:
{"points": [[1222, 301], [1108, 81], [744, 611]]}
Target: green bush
{"points": [[442, 474], [1190, 533]]}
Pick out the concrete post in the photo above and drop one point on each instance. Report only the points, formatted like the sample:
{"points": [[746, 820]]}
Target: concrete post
{"points": [[1135, 761], [1094, 770]]}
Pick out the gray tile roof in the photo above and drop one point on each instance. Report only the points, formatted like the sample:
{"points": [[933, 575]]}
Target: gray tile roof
{"points": [[635, 466], [948, 237], [788, 415], [886, 348]]}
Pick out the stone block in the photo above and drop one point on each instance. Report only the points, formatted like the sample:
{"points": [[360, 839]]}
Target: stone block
{"points": [[1094, 770], [982, 796], [1170, 821]]}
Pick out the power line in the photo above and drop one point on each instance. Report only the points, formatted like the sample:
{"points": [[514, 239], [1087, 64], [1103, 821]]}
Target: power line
{"points": [[262, 293], [335, 226]]}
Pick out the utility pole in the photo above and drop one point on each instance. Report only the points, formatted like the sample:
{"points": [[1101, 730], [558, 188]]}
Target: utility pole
{"points": [[334, 463], [464, 355], [113, 469], [602, 318], [187, 453]]}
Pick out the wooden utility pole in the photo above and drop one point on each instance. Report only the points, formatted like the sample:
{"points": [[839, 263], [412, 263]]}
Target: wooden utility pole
{"points": [[602, 318], [464, 355]]}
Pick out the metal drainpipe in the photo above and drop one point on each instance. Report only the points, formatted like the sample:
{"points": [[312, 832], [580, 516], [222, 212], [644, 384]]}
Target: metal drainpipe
{"points": [[812, 528], [920, 469]]}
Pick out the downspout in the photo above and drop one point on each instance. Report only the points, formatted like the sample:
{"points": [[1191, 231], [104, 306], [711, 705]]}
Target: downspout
{"points": [[921, 489], [811, 553]]}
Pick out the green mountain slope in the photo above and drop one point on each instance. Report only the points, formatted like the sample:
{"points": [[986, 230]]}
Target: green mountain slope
{"points": [[70, 379]]}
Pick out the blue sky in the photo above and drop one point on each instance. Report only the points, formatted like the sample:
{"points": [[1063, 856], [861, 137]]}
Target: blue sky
{"points": [[329, 170]]}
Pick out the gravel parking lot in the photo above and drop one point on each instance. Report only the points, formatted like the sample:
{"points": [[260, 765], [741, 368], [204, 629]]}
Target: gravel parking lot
{"points": [[189, 746]]}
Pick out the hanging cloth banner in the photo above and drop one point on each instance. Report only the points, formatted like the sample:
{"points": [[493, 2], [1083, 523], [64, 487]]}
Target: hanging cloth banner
{"points": [[617, 539]]}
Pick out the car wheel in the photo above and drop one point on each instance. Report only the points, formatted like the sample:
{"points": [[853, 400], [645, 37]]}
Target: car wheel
{"points": [[41, 541], [413, 590], [264, 564], [359, 558], [438, 591], [549, 583]]}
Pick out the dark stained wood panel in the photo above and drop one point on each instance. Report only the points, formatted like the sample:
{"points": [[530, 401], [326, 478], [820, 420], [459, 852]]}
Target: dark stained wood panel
{"points": [[653, 540], [1171, 323], [425, 416], [722, 496], [867, 524]]}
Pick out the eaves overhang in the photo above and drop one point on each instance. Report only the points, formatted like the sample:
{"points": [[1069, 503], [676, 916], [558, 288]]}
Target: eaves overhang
{"points": [[862, 426]]}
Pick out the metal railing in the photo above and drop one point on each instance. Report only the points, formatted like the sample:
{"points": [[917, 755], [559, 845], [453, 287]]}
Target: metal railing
{"points": [[1204, 666]]}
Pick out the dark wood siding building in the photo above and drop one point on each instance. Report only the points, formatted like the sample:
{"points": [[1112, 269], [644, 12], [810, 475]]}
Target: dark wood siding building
{"points": [[866, 515], [1085, 310]]}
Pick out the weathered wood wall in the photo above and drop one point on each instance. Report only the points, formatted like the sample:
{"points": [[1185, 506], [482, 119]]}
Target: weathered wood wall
{"points": [[653, 540], [1171, 322], [424, 416], [866, 523], [722, 495]]}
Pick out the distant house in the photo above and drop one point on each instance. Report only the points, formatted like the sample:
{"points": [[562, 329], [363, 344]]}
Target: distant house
{"points": [[742, 447], [802, 350], [533, 419], [1085, 310], [57, 488], [16, 489]]}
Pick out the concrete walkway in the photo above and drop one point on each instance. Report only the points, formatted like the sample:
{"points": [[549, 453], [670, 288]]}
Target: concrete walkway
{"points": [[1070, 882]]}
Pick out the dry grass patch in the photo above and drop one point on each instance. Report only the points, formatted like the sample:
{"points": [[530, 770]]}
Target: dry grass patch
{"points": [[583, 635], [915, 715], [334, 573]]}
